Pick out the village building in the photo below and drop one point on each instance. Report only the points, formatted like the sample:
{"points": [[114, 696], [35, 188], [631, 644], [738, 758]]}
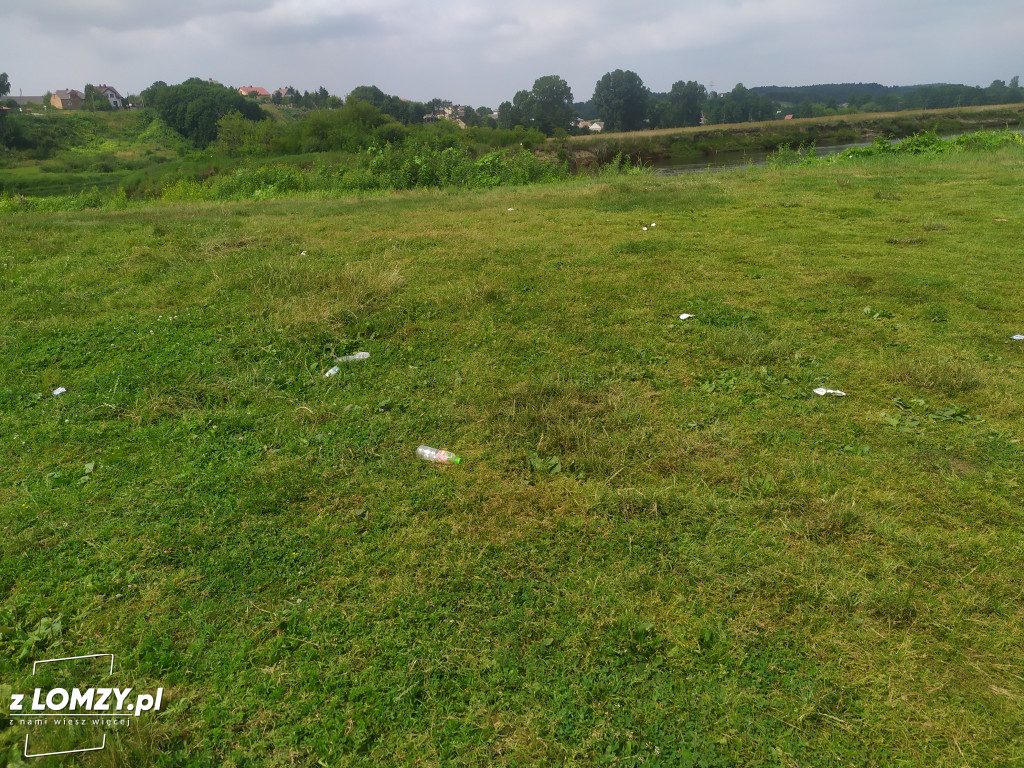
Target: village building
{"points": [[67, 99], [454, 113], [117, 101], [247, 90]]}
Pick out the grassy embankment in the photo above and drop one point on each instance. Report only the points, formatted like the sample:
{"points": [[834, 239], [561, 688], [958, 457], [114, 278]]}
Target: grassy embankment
{"points": [[683, 145], [661, 547]]}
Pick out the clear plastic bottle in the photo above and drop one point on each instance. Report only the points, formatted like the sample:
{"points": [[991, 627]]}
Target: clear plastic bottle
{"points": [[427, 453], [350, 358]]}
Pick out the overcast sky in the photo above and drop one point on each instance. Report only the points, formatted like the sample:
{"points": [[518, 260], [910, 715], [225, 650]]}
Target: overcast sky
{"points": [[480, 52]]}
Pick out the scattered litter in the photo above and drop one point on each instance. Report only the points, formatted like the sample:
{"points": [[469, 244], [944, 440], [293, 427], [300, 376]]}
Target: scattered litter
{"points": [[427, 453], [1000, 219], [346, 359], [302, 254], [645, 229], [350, 358], [823, 391], [1018, 337], [511, 209], [59, 391], [685, 316], [653, 224]]}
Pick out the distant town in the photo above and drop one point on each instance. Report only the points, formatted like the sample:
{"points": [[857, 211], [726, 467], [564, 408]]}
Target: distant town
{"points": [[286, 97]]}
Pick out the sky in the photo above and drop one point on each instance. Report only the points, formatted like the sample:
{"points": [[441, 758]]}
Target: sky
{"points": [[480, 52]]}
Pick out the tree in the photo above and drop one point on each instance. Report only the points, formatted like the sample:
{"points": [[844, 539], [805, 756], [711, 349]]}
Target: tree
{"points": [[505, 115], [621, 99], [94, 100], [522, 109], [5, 88], [552, 104], [684, 103], [194, 107]]}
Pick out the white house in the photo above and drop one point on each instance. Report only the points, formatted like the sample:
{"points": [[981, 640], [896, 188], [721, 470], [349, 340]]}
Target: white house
{"points": [[116, 99]]}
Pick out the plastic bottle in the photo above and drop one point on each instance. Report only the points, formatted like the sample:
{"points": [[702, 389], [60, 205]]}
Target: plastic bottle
{"points": [[350, 358], [331, 372], [427, 453]]}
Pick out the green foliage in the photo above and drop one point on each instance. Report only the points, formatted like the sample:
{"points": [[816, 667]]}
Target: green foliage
{"points": [[928, 142], [238, 136], [401, 110], [621, 97], [95, 101], [194, 107], [350, 128], [551, 101]]}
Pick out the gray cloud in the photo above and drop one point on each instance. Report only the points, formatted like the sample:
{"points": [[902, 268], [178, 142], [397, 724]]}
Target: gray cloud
{"points": [[482, 51]]}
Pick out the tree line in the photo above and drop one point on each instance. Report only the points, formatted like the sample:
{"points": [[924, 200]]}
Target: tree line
{"points": [[203, 111]]}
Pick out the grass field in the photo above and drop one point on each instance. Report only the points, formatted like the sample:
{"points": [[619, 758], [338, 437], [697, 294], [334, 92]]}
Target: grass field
{"points": [[661, 547]]}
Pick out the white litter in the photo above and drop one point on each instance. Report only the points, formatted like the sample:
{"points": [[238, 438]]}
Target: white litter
{"points": [[346, 359], [59, 391], [302, 254], [511, 209], [653, 224], [685, 316], [1018, 337], [823, 391], [645, 229]]}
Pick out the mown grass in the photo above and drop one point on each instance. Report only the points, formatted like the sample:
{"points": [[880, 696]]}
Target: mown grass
{"points": [[660, 549]]}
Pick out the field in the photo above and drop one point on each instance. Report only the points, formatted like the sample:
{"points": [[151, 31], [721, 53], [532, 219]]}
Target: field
{"points": [[661, 547]]}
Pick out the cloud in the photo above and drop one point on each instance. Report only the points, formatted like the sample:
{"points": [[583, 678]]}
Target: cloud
{"points": [[60, 16], [483, 51]]}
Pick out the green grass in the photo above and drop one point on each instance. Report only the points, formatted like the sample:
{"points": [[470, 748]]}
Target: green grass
{"points": [[660, 548]]}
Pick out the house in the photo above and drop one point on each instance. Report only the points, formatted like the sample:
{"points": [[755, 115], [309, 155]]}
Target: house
{"points": [[597, 126], [24, 101], [248, 90], [453, 113], [116, 100], [67, 99]]}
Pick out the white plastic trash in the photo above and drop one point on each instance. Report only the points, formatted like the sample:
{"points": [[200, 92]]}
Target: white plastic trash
{"points": [[331, 372], [685, 316], [1018, 337], [59, 391], [823, 391], [645, 229], [427, 453], [350, 358]]}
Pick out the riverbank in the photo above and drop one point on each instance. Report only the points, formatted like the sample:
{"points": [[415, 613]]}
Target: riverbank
{"points": [[692, 145]]}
